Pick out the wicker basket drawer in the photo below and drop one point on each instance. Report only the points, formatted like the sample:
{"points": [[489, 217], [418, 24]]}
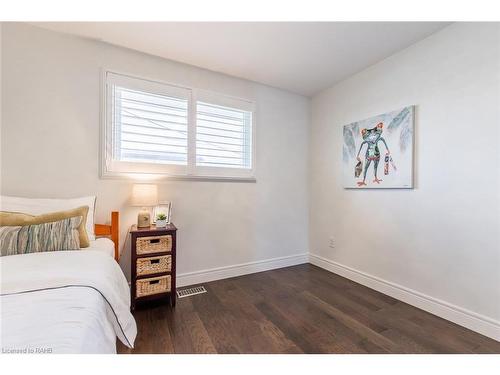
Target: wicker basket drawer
{"points": [[153, 285], [151, 265], [153, 244]]}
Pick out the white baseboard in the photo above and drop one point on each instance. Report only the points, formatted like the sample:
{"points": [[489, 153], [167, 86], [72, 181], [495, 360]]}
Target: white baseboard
{"points": [[466, 318], [219, 273]]}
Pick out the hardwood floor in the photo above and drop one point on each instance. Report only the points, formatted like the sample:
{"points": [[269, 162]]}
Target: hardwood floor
{"points": [[300, 309]]}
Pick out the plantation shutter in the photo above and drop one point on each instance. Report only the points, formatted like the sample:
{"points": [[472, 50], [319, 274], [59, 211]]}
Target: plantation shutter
{"points": [[150, 126], [223, 136], [158, 129]]}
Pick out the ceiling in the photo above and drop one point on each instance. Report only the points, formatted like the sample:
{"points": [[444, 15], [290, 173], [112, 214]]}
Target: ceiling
{"points": [[302, 57]]}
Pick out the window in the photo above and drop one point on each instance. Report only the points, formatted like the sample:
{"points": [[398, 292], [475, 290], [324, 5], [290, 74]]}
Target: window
{"points": [[149, 127], [224, 135], [155, 128]]}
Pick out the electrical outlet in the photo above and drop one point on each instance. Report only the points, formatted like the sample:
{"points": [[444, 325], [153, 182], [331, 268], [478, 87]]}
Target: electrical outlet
{"points": [[331, 243]]}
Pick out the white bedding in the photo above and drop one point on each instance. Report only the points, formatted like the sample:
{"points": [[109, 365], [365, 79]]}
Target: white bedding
{"points": [[64, 302], [104, 245]]}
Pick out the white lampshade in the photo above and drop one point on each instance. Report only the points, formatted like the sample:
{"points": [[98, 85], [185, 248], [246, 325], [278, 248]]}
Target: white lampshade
{"points": [[144, 195]]}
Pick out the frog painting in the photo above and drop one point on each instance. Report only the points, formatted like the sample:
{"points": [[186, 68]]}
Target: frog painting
{"points": [[374, 146]]}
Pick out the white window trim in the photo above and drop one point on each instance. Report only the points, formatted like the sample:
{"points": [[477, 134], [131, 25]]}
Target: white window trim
{"points": [[110, 169]]}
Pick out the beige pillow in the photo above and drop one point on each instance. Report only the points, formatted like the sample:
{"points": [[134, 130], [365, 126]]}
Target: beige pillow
{"points": [[11, 219]]}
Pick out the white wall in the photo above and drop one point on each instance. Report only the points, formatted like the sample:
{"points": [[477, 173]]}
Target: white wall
{"points": [[50, 148], [439, 241]]}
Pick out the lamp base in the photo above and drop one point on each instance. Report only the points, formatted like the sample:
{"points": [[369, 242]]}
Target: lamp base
{"points": [[143, 219]]}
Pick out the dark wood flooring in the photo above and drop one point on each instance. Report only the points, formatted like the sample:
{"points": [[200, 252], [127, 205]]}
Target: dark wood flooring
{"points": [[300, 309]]}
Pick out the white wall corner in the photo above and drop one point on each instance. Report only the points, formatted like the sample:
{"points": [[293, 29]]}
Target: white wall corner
{"points": [[461, 316], [203, 276]]}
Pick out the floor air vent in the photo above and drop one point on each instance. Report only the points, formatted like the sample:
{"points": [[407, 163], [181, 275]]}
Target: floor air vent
{"points": [[191, 291]]}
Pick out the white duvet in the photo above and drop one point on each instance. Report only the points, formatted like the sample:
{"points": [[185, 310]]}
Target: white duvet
{"points": [[64, 302]]}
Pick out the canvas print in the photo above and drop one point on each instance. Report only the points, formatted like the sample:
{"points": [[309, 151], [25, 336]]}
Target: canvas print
{"points": [[378, 152]]}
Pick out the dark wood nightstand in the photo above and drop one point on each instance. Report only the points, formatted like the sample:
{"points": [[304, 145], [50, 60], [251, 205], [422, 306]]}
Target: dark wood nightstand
{"points": [[153, 264]]}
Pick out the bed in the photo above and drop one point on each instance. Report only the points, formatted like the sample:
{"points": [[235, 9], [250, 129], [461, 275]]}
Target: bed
{"points": [[66, 301]]}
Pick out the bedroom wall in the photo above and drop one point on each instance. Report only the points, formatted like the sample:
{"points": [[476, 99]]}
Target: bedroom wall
{"points": [[1, 50], [436, 246], [50, 148]]}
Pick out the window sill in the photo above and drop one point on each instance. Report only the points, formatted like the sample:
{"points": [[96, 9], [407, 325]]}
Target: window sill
{"points": [[162, 177]]}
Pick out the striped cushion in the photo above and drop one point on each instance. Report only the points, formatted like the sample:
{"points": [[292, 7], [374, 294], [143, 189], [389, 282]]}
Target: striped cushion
{"points": [[58, 235], [15, 219]]}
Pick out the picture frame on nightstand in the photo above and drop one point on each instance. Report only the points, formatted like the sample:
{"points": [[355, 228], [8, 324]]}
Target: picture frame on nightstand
{"points": [[163, 208]]}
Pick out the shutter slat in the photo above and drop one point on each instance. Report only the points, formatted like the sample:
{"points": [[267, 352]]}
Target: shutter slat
{"points": [[220, 111], [236, 122], [142, 110], [154, 135], [219, 151], [141, 129], [219, 116], [217, 146], [147, 147], [182, 126], [221, 136], [155, 143], [223, 141], [141, 151], [214, 163], [220, 157], [151, 116], [221, 129], [200, 143], [151, 95], [127, 100]]}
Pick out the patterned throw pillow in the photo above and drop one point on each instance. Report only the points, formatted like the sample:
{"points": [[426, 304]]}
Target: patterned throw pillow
{"points": [[54, 236], [19, 219]]}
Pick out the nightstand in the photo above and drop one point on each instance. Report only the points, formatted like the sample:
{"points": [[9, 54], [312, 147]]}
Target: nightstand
{"points": [[153, 264]]}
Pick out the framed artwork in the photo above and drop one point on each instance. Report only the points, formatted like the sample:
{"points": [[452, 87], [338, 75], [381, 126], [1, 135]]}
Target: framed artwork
{"points": [[163, 208], [378, 152]]}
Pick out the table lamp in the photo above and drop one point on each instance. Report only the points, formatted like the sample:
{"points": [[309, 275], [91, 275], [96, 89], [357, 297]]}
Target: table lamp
{"points": [[144, 196]]}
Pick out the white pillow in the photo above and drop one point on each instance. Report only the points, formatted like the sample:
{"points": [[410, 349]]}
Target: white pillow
{"points": [[36, 206]]}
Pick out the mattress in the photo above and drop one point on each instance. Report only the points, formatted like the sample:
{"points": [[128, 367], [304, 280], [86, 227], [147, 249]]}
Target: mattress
{"points": [[64, 302], [104, 245]]}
